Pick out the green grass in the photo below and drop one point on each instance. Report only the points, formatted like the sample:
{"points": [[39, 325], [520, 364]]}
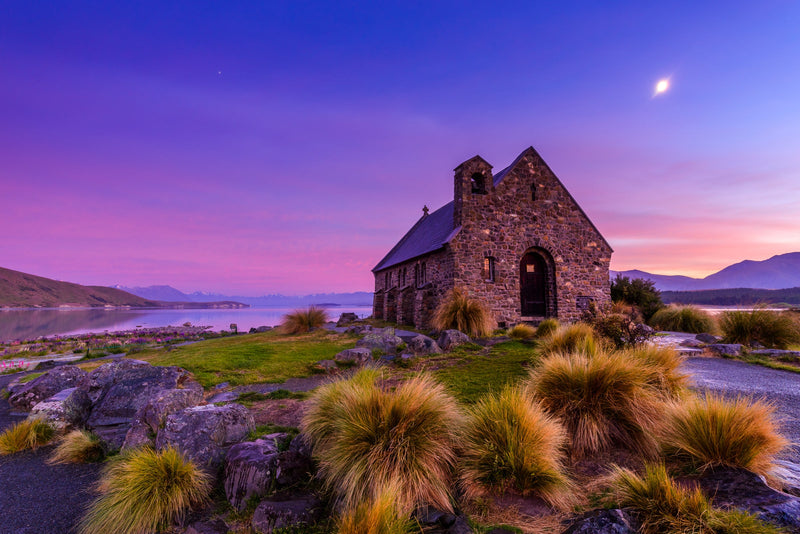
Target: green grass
{"points": [[269, 428], [250, 397], [476, 374], [145, 491], [33, 376], [28, 434], [240, 360], [766, 361]]}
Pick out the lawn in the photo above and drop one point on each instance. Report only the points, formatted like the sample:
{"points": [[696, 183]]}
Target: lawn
{"points": [[251, 358]]}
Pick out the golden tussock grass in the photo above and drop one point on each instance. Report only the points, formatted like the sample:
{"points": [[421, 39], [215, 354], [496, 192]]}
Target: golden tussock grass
{"points": [[461, 312], [28, 434], [303, 320], [79, 446]]}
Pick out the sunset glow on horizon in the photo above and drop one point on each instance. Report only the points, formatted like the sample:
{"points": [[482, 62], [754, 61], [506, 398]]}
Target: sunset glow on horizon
{"points": [[285, 148]]}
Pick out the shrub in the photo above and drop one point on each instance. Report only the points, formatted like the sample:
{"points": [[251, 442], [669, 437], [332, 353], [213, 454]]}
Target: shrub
{"points": [[638, 292], [375, 516], [769, 328], [578, 338], [28, 434], [459, 311], [510, 443], [715, 431], [367, 439], [662, 368], [79, 446], [144, 491], [683, 319], [522, 331], [602, 400], [547, 327], [620, 330], [301, 321], [663, 507]]}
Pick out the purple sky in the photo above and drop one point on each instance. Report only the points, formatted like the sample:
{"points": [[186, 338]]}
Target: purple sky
{"points": [[286, 146]]}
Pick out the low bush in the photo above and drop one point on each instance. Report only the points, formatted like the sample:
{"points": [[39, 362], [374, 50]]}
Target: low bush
{"points": [[547, 327], [620, 330], [769, 328], [301, 321], [578, 338], [637, 292], [663, 507], [713, 431], [460, 312], [79, 446], [145, 491], [31, 433], [375, 516], [662, 368], [683, 319], [602, 399], [522, 331], [510, 443], [366, 439]]}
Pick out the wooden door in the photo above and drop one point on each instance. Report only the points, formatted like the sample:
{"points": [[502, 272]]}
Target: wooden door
{"points": [[533, 285]]}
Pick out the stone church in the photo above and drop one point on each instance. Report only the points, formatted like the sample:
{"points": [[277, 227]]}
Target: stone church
{"points": [[516, 240]]}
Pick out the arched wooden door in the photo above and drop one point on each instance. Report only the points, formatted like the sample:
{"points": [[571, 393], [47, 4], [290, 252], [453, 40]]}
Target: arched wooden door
{"points": [[533, 285]]}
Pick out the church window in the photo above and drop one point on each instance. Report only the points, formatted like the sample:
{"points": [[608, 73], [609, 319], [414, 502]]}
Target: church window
{"points": [[478, 184], [488, 269]]}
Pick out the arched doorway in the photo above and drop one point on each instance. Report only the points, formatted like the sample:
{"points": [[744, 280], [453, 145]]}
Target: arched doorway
{"points": [[533, 285]]}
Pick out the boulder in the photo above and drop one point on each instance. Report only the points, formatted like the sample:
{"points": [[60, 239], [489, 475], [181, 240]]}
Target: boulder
{"points": [[325, 366], [358, 329], [725, 349], [260, 329], [384, 340], [216, 526], [424, 345], [357, 356], [450, 339], [707, 338], [66, 409], [43, 387], [294, 464], [789, 475], [204, 433], [435, 521], [742, 489], [346, 318], [691, 343], [131, 391], [251, 468], [153, 414], [603, 521], [273, 515]]}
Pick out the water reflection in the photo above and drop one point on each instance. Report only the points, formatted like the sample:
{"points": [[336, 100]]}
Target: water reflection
{"points": [[28, 324]]}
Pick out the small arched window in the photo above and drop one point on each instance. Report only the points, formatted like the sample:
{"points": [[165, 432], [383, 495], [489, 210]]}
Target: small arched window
{"points": [[478, 184], [488, 269], [416, 276], [533, 191]]}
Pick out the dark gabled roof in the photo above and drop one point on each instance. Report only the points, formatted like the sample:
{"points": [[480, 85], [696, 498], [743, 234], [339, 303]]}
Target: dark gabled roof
{"points": [[430, 233]]}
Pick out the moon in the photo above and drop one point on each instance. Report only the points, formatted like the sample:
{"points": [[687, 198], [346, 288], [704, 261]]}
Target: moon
{"points": [[662, 86]]}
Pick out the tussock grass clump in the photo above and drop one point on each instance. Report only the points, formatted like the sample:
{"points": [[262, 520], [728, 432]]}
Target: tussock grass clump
{"points": [[663, 507], [144, 491], [511, 443], [79, 446], [522, 331], [547, 327], [375, 516], [603, 400], [459, 311], [690, 319], [769, 328], [28, 434], [367, 439], [578, 338], [714, 431], [301, 321], [662, 368]]}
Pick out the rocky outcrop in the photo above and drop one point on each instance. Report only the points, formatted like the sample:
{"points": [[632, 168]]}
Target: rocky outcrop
{"points": [[707, 338], [26, 396], [436, 521], [66, 409], [204, 433], [723, 349], [382, 340], [614, 521], [153, 414], [274, 515], [450, 339], [356, 356], [346, 318], [423, 345]]}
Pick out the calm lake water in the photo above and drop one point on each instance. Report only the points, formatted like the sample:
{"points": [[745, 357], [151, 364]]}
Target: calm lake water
{"points": [[33, 323]]}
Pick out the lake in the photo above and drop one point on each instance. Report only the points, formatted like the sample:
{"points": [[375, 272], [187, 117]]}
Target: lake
{"points": [[33, 323]]}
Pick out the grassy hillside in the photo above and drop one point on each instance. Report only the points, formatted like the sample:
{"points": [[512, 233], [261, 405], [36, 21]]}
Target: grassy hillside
{"points": [[21, 290]]}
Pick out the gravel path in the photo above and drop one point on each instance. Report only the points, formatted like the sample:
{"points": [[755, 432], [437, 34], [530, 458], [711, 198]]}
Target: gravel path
{"points": [[36, 498]]}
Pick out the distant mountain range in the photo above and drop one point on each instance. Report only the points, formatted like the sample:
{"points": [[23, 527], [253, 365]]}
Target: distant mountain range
{"points": [[778, 272], [169, 293]]}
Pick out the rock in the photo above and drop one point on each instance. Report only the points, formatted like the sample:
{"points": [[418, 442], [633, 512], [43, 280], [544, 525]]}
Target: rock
{"points": [[216, 526], [603, 521], [452, 338], [325, 366], [225, 396], [789, 473], [726, 349], [691, 343], [203, 433], [346, 318], [742, 489], [260, 329], [424, 345], [45, 386], [48, 364], [707, 338], [131, 391], [357, 356], [358, 329], [436, 521], [66, 409], [273, 515], [295, 464], [250, 469], [152, 415], [384, 340], [777, 353]]}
